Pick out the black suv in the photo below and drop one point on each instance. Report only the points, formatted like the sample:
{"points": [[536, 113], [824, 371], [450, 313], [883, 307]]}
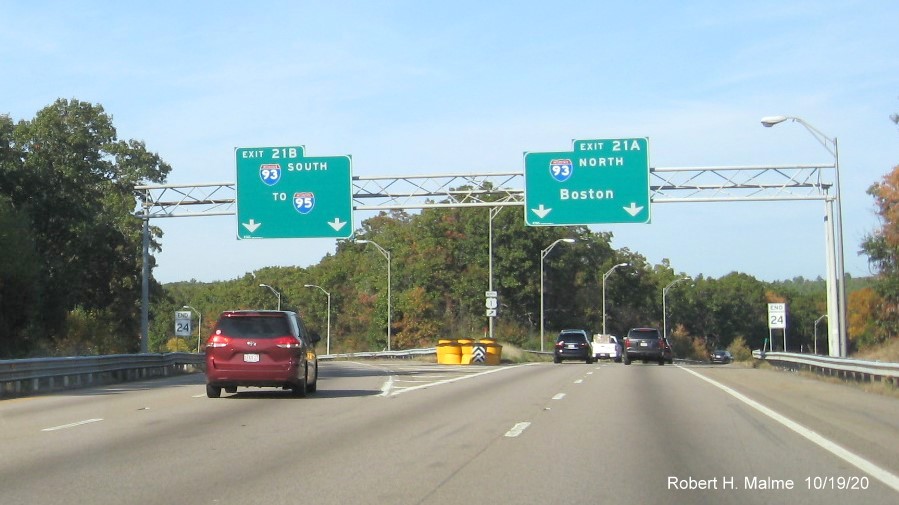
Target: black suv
{"points": [[573, 344], [646, 344]]}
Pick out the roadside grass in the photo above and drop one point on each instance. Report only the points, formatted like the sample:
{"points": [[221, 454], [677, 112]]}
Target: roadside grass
{"points": [[515, 354], [874, 387], [886, 352]]}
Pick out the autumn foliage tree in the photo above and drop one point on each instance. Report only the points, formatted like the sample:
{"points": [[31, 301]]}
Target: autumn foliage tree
{"points": [[882, 248]]}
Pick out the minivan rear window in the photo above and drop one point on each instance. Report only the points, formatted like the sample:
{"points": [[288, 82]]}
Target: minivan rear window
{"points": [[254, 326]]}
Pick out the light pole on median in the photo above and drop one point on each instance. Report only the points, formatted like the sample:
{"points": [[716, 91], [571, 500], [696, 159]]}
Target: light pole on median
{"points": [[816, 331], [386, 254], [328, 337], [836, 289], [604, 277], [493, 211], [664, 307], [199, 323], [543, 254], [273, 291]]}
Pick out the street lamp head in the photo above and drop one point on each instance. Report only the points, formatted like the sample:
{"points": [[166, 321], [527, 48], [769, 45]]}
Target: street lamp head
{"points": [[263, 285], [308, 286], [769, 121], [361, 241], [568, 240], [623, 265]]}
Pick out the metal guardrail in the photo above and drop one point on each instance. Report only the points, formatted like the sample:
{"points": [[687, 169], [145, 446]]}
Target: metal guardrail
{"points": [[845, 368], [407, 354], [22, 377], [29, 376]]}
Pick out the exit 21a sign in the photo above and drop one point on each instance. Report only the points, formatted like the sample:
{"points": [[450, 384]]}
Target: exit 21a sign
{"points": [[597, 182]]}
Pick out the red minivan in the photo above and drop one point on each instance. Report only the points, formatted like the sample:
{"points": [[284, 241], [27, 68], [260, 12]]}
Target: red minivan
{"points": [[261, 348]]}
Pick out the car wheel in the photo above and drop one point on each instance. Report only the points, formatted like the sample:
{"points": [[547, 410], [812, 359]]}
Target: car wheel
{"points": [[299, 389], [627, 361], [213, 391], [662, 362], [557, 360], [313, 386]]}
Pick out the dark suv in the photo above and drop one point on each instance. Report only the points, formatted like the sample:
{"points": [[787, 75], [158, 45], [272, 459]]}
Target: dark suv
{"points": [[646, 344], [261, 348], [573, 344]]}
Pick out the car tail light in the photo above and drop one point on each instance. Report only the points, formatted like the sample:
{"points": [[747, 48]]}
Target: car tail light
{"points": [[627, 342], [287, 343], [218, 341]]}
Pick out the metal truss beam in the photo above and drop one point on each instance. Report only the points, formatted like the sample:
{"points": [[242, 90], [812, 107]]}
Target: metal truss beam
{"points": [[667, 185]]}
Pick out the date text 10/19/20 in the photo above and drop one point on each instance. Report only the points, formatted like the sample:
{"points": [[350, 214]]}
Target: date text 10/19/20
{"points": [[816, 483]]}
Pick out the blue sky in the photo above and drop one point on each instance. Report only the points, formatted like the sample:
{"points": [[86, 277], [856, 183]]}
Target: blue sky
{"points": [[410, 87]]}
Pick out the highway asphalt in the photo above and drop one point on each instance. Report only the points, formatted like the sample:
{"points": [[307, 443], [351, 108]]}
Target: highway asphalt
{"points": [[400, 432]]}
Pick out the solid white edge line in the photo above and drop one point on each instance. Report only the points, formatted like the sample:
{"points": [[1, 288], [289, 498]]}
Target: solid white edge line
{"points": [[72, 425], [517, 429], [853, 459]]}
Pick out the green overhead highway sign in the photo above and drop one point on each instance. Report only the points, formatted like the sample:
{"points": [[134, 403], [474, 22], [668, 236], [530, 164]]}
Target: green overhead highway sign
{"points": [[282, 193], [598, 182]]}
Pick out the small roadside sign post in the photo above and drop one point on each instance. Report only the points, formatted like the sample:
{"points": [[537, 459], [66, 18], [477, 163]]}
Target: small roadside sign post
{"points": [[491, 303], [282, 193], [183, 323], [597, 182], [777, 319]]}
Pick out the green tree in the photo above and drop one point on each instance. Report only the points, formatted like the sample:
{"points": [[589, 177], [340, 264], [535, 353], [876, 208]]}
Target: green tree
{"points": [[73, 181]]}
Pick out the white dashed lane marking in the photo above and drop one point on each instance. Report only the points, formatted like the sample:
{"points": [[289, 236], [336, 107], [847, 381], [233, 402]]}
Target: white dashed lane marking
{"points": [[72, 425], [517, 429]]}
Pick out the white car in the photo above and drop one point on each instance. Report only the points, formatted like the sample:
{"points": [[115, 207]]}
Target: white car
{"points": [[606, 347]]}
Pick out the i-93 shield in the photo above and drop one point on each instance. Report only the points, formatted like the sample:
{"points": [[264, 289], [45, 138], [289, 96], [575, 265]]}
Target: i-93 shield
{"points": [[270, 173]]}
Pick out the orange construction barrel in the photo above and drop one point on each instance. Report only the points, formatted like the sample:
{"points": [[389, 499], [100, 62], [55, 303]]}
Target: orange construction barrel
{"points": [[466, 345], [448, 352], [494, 351]]}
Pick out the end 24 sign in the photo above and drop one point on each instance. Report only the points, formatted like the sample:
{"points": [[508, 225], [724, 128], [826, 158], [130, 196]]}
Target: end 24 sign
{"points": [[597, 182]]}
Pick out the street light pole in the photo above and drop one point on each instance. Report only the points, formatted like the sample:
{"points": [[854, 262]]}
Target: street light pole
{"points": [[664, 307], [273, 291], [494, 211], [328, 338], [386, 254], [199, 323], [816, 331], [604, 277], [543, 254], [836, 289]]}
